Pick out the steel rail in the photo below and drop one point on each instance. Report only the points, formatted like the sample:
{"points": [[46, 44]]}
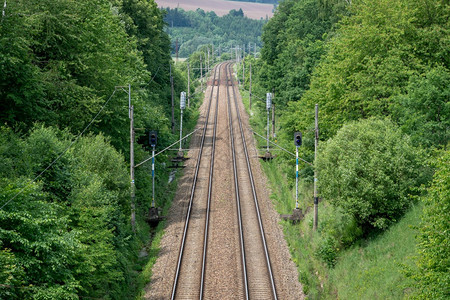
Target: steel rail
{"points": [[194, 184], [255, 198], [211, 172], [236, 186]]}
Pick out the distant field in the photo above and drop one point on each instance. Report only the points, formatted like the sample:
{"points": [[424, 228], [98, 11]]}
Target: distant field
{"points": [[221, 7]]}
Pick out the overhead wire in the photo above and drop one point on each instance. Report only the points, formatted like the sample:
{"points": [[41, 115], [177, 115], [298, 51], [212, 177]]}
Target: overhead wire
{"points": [[61, 154], [71, 144]]}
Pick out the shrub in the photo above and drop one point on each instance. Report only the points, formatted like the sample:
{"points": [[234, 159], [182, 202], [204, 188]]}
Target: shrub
{"points": [[337, 230], [433, 261], [370, 169]]}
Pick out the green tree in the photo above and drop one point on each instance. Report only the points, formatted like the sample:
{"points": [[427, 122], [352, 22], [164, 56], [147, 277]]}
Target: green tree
{"points": [[424, 111], [433, 261], [370, 170], [370, 61], [66, 58], [68, 234]]}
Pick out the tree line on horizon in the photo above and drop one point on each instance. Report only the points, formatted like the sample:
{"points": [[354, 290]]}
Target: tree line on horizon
{"points": [[191, 30]]}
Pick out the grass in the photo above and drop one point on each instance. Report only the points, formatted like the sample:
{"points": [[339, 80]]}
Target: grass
{"points": [[371, 269], [374, 270]]}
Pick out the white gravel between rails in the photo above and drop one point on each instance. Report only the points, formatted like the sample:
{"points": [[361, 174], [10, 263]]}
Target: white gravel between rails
{"points": [[285, 271]]}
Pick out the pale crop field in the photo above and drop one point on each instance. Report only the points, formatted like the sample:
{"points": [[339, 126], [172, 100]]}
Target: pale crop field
{"points": [[221, 7]]}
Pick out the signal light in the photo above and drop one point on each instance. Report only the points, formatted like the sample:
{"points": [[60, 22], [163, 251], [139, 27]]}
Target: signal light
{"points": [[298, 139], [153, 138]]}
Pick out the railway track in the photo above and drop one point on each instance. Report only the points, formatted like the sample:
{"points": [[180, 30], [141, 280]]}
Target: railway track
{"points": [[260, 280], [189, 276], [223, 252]]}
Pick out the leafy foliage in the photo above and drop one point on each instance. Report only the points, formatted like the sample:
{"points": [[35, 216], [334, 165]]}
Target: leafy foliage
{"points": [[376, 51], [67, 235], [433, 261], [370, 170], [424, 111], [73, 53], [63, 237], [293, 44], [363, 63], [195, 29]]}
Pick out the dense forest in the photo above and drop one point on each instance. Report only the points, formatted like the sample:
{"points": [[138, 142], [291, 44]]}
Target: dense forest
{"points": [[379, 71], [191, 30], [65, 207]]}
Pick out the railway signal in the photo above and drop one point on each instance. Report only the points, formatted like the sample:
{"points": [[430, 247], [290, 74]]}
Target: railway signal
{"points": [[153, 211], [298, 139], [268, 107], [298, 143], [153, 138], [182, 107]]}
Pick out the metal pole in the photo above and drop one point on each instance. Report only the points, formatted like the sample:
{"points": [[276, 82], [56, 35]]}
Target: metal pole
{"points": [[182, 107], [153, 176], [268, 128], [250, 90], [189, 85], [173, 103], [208, 59], [296, 177], [176, 50], [3, 12], [133, 187], [181, 128], [201, 73], [316, 145], [273, 120], [268, 107], [243, 72]]}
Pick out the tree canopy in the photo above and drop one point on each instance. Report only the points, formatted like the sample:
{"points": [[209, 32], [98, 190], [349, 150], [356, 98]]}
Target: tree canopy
{"points": [[195, 29], [65, 228]]}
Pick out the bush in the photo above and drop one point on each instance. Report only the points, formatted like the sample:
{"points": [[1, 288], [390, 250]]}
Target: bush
{"points": [[67, 235], [433, 261], [370, 170], [337, 231]]}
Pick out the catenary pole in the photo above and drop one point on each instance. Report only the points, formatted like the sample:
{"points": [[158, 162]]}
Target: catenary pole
{"points": [[133, 187], [243, 71], [268, 107], [316, 145], [189, 86], [296, 177], [201, 73], [4, 9], [273, 120], [153, 176], [250, 90], [173, 102]]}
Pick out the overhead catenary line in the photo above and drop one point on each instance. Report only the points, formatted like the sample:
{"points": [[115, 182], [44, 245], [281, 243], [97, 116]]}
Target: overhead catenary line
{"points": [[168, 147], [285, 150], [60, 155]]}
